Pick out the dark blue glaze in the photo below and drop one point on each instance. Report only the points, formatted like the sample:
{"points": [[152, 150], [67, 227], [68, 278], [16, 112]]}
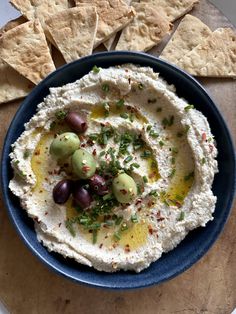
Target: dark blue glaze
{"points": [[196, 244]]}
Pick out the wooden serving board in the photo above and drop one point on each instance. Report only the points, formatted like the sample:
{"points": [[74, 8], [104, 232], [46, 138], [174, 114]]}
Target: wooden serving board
{"points": [[27, 286]]}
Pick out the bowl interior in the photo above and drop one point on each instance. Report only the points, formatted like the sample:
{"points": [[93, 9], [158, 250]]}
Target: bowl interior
{"points": [[196, 243]]}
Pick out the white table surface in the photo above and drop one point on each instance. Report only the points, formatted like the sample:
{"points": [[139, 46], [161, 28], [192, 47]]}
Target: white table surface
{"points": [[228, 7]]}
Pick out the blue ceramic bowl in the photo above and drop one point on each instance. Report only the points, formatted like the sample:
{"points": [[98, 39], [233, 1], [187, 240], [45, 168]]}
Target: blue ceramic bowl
{"points": [[196, 244]]}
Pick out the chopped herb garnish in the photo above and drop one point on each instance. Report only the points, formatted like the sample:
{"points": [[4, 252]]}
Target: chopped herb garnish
{"points": [[152, 100], [179, 197], [128, 159], [189, 176], [203, 161], [26, 154], [186, 128], [173, 160], [117, 236], [159, 109], [153, 193], [139, 189], [161, 143], [134, 165], [118, 220], [95, 235], [120, 103], [187, 108], [69, 226], [124, 226], [106, 107], [52, 125], [102, 153], [174, 150], [149, 127], [124, 115], [172, 173], [95, 69], [145, 179], [134, 218], [61, 114], [168, 121], [181, 217], [105, 88], [153, 134], [93, 137], [146, 154]]}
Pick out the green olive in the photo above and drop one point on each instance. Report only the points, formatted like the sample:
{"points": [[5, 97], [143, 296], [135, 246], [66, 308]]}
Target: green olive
{"points": [[124, 188], [83, 164], [64, 145]]}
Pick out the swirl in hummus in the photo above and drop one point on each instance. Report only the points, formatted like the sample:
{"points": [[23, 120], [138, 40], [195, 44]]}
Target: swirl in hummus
{"points": [[136, 125]]}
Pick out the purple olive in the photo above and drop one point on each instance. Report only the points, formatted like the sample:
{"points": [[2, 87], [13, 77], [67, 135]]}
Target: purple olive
{"points": [[61, 191], [98, 185], [81, 195], [76, 122]]}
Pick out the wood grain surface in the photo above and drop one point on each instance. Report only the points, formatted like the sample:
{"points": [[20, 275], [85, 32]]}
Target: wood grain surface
{"points": [[27, 286]]}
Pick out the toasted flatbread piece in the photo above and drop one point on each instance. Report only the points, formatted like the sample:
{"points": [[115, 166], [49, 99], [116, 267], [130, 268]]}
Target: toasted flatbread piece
{"points": [[173, 9], [113, 15], [146, 30], [74, 31], [18, 21], [190, 33], [25, 49], [110, 41], [12, 84], [40, 9], [214, 57]]}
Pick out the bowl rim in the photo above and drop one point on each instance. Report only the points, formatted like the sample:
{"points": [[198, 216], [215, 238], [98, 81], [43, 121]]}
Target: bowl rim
{"points": [[5, 159]]}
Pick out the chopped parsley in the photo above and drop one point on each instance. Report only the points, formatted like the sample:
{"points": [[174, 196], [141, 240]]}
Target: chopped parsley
{"points": [[181, 216], [189, 176], [96, 69], [124, 115], [187, 108], [128, 159], [61, 114], [146, 154], [168, 121], [134, 218], [120, 103], [105, 88], [26, 154], [145, 179]]}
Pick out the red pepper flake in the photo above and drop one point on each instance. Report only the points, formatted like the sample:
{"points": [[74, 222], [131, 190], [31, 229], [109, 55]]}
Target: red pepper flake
{"points": [[83, 145], [94, 152], [50, 172], [138, 201], [127, 248], [123, 191], [101, 245], [129, 80], [150, 230], [139, 209], [59, 225], [36, 220], [45, 213], [90, 142], [204, 136], [85, 168]]}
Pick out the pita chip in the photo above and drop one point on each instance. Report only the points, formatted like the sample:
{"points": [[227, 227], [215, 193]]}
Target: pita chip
{"points": [[214, 57], [40, 9], [173, 9], [113, 15], [190, 33], [74, 31], [146, 30], [25, 49], [109, 42], [18, 21], [12, 85]]}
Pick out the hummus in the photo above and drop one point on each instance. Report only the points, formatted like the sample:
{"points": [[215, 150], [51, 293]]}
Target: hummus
{"points": [[138, 125]]}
